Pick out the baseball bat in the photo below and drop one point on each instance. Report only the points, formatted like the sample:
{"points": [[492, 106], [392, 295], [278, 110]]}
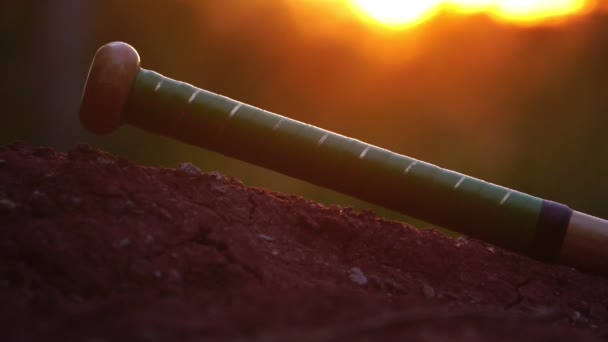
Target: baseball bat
{"points": [[119, 91]]}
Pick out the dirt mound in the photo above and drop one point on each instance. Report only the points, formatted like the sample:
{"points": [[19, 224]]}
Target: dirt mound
{"points": [[94, 247]]}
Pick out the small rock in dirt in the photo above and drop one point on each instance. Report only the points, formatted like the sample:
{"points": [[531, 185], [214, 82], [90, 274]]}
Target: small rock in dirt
{"points": [[2, 162], [158, 274], [71, 202], [124, 243], [367, 213], [189, 169], [429, 292], [461, 241], [576, 316], [7, 204], [131, 207], [393, 286], [266, 237], [164, 213], [357, 276], [104, 160], [475, 299], [275, 252], [149, 238], [216, 175], [346, 210], [222, 189]]}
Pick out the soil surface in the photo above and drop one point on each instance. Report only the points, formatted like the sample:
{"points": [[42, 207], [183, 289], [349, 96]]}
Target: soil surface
{"points": [[94, 247]]}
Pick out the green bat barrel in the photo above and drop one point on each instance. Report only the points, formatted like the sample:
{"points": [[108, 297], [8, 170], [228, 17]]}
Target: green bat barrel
{"points": [[502, 216]]}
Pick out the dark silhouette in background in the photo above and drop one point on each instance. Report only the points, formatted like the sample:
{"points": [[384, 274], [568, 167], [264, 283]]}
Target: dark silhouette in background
{"points": [[521, 107]]}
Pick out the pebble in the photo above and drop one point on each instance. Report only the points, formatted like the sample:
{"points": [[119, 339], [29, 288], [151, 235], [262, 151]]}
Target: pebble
{"points": [[461, 241], [266, 237], [189, 169], [158, 274], [104, 160], [164, 213], [357, 276], [124, 243], [216, 175], [7, 204], [475, 300], [429, 292], [275, 252]]}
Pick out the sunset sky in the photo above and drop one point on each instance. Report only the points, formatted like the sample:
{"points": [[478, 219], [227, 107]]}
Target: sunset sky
{"points": [[401, 14]]}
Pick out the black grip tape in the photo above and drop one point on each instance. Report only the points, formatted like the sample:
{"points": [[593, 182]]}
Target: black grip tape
{"points": [[550, 231]]}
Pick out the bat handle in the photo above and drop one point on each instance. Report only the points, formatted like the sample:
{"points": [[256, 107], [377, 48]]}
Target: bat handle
{"points": [[586, 243]]}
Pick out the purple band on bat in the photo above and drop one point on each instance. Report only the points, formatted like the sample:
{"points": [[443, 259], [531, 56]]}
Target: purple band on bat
{"points": [[550, 231]]}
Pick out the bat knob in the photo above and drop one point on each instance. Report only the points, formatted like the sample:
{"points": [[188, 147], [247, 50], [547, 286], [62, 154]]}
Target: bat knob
{"points": [[111, 77]]}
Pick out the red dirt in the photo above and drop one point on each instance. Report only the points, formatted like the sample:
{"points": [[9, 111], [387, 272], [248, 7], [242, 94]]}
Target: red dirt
{"points": [[94, 247]]}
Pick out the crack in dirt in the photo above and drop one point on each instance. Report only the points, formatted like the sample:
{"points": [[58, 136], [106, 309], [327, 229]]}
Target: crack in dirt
{"points": [[203, 238], [520, 297], [222, 248]]}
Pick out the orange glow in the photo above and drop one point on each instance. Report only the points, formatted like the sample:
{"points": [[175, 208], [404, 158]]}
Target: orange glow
{"points": [[408, 13]]}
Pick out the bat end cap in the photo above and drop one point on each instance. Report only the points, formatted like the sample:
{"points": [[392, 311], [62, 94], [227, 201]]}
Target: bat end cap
{"points": [[111, 77]]}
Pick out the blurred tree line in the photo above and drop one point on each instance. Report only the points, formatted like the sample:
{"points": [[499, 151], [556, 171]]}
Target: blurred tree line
{"points": [[521, 107]]}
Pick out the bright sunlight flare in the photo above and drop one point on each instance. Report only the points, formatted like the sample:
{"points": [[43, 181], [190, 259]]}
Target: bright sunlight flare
{"points": [[407, 13]]}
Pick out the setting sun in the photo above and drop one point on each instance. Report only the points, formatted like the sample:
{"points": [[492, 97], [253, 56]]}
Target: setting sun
{"points": [[396, 12], [407, 13]]}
